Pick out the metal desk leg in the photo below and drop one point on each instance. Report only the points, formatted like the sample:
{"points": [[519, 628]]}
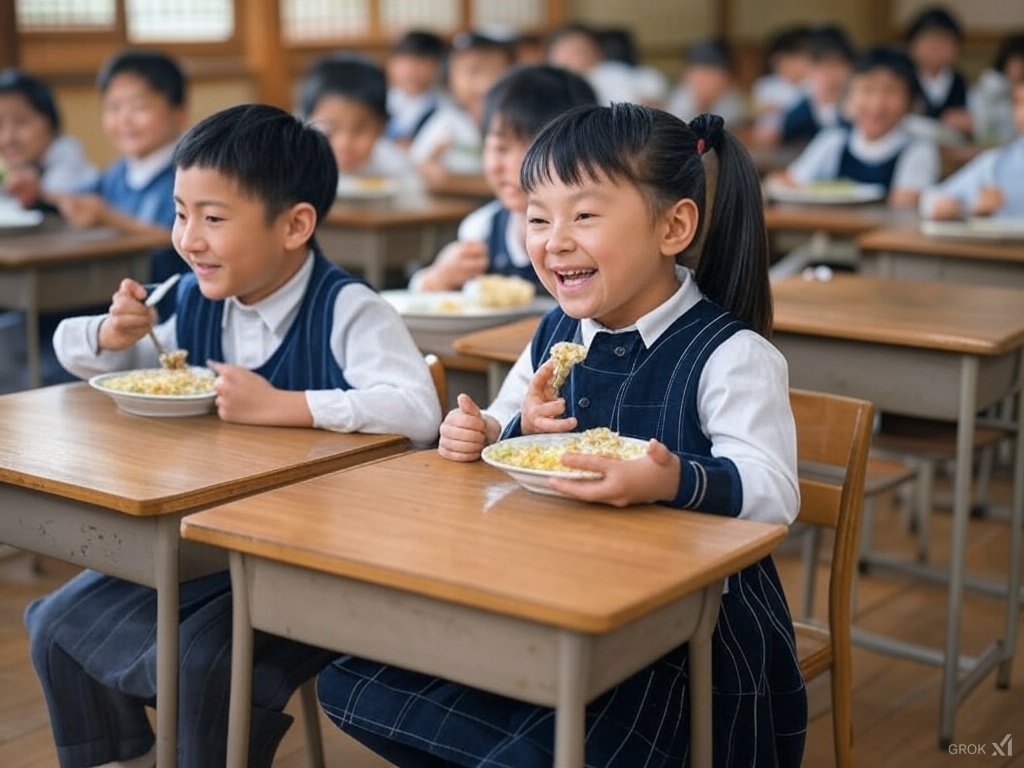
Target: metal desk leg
{"points": [[1016, 521], [570, 715], [241, 666], [167, 618], [699, 657]]}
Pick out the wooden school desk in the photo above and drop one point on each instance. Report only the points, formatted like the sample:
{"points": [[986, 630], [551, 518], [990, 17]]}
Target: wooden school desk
{"points": [[369, 237], [55, 267], [452, 569], [88, 484], [906, 253], [936, 350], [500, 347]]}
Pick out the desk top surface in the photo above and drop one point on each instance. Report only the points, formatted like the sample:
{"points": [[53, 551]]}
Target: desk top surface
{"points": [[73, 442], [943, 316], [399, 211], [54, 241], [909, 239], [839, 220], [503, 343], [469, 534]]}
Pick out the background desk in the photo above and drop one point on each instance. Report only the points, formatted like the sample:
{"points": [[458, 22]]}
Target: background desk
{"points": [[452, 569], [370, 237], [903, 252], [55, 267], [500, 347], [88, 484], [935, 350]]}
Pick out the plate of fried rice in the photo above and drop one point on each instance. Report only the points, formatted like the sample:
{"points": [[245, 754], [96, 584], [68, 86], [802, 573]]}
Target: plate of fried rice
{"points": [[159, 391]]}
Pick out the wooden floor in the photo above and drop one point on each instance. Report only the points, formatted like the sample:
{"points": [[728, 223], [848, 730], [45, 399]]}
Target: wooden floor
{"points": [[895, 701]]}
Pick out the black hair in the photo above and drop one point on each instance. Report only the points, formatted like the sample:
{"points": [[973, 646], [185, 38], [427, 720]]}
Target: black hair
{"points": [[527, 97], [350, 76], [830, 41], [159, 70], [711, 53], [935, 17], [664, 158], [34, 91], [476, 41], [420, 43], [892, 60], [1010, 47], [272, 156], [795, 39], [568, 30], [617, 44]]}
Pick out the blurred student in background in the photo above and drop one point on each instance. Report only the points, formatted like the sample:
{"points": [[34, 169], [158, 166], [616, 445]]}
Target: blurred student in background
{"points": [[933, 41], [783, 85], [991, 99], [36, 157], [414, 83], [707, 84]]}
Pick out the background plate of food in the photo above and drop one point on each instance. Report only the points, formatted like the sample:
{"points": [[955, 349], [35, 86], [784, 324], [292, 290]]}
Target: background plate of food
{"points": [[532, 459], [159, 391], [366, 187], [839, 192], [975, 229], [13, 216]]}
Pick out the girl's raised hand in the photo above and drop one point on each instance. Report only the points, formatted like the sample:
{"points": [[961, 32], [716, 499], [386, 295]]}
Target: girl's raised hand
{"points": [[651, 478], [128, 318], [466, 430], [456, 264], [542, 409]]}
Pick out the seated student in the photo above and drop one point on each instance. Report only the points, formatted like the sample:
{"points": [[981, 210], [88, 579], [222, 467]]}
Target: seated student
{"points": [[707, 85], [491, 239], [578, 48], [450, 143], [990, 100], [38, 159], [992, 184], [346, 98], [877, 149], [295, 341], [933, 41], [831, 58], [143, 115], [414, 83], [618, 48], [787, 65]]}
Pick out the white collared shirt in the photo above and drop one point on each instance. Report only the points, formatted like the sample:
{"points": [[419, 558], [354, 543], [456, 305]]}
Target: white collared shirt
{"points": [[140, 171], [936, 88], [743, 402]]}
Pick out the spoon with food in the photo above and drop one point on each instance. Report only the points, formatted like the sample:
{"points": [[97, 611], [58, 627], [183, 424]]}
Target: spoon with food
{"points": [[176, 359]]}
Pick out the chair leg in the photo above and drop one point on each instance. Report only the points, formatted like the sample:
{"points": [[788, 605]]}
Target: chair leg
{"points": [[812, 542], [923, 509], [311, 724], [842, 724]]}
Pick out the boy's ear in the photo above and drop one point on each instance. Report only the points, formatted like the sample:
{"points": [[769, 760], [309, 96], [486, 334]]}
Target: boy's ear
{"points": [[299, 223], [679, 227]]}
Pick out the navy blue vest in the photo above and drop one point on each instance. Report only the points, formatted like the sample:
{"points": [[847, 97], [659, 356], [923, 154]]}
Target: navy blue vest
{"points": [[956, 96], [645, 393], [800, 124], [497, 247], [303, 361], [855, 169]]}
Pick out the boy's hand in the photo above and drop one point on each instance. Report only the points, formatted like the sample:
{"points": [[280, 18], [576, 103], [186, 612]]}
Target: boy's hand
{"points": [[542, 409], [245, 397], [466, 430], [990, 200], [82, 210], [432, 170], [946, 208], [456, 264], [23, 185], [128, 319], [651, 478]]}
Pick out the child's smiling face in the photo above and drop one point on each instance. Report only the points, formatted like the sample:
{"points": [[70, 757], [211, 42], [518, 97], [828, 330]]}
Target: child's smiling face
{"points": [[598, 251], [878, 101], [25, 134], [503, 157], [137, 119], [351, 127], [226, 239]]}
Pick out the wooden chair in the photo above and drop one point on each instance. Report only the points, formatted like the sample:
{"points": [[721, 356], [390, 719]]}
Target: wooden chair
{"points": [[833, 437], [307, 693]]}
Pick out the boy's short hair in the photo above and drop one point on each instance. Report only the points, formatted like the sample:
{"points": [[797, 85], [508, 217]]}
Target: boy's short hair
{"points": [[159, 70], [710, 53], [352, 77], [830, 42], [789, 40], [420, 43], [617, 44], [34, 91], [935, 17], [892, 60], [529, 96], [271, 155]]}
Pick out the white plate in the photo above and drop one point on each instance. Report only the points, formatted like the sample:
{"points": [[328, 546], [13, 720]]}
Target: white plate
{"points": [[358, 188], [156, 405], [536, 480], [975, 229], [456, 311], [828, 194], [16, 217]]}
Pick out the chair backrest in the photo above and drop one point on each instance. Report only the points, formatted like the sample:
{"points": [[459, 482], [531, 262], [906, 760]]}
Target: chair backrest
{"points": [[437, 373]]}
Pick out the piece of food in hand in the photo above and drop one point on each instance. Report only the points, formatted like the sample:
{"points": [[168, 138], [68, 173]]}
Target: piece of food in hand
{"points": [[175, 360], [599, 441], [564, 355], [500, 291]]}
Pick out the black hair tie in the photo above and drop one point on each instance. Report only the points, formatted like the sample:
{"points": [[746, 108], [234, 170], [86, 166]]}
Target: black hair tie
{"points": [[708, 129]]}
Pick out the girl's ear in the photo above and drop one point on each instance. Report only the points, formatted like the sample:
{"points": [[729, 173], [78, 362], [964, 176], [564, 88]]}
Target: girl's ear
{"points": [[679, 227], [299, 225]]}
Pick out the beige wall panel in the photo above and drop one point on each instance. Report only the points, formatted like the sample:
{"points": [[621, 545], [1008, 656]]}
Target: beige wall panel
{"points": [[756, 20]]}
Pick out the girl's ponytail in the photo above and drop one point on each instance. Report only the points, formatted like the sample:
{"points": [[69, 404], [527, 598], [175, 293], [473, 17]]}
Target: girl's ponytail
{"points": [[732, 244]]}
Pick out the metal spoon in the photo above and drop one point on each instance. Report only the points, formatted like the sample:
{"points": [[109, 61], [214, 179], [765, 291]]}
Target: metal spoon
{"points": [[156, 293]]}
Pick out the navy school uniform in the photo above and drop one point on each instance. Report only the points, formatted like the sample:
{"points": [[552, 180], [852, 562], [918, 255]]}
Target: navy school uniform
{"points": [[93, 641], [863, 172], [500, 260], [800, 124], [956, 97], [759, 700]]}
